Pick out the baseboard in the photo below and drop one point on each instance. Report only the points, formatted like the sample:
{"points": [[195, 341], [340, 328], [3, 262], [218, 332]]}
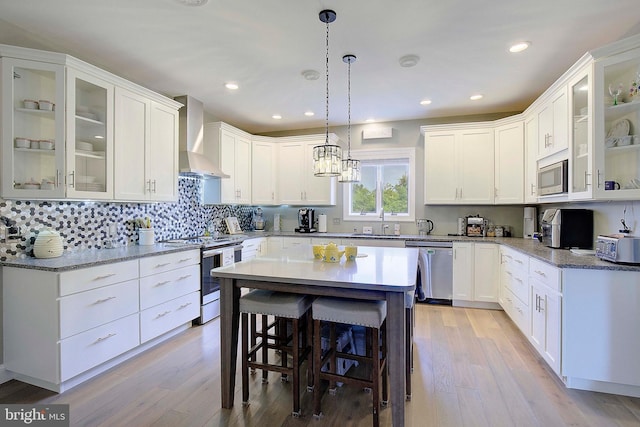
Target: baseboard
{"points": [[603, 387], [477, 304], [4, 375]]}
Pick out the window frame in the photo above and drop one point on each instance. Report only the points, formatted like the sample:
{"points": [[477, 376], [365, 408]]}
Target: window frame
{"points": [[382, 155]]}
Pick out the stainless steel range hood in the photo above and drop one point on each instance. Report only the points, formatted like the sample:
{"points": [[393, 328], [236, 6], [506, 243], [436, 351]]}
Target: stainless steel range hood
{"points": [[191, 160]]}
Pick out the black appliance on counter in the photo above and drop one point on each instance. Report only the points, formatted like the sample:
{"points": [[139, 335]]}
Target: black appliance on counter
{"points": [[306, 221], [567, 228]]}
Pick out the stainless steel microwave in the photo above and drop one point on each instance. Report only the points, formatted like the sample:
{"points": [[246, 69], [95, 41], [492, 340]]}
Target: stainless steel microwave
{"points": [[553, 179]]}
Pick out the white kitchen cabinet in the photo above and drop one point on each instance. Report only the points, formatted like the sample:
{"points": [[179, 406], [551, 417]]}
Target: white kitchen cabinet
{"points": [[296, 183], [531, 158], [264, 171], [616, 139], [388, 243], [580, 136], [546, 298], [82, 322], [459, 164], [553, 124], [476, 275], [145, 146], [32, 80], [514, 283], [509, 163], [230, 149], [89, 149], [252, 248]]}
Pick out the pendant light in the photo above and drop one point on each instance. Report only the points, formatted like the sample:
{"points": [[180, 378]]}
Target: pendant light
{"points": [[327, 157], [350, 167]]}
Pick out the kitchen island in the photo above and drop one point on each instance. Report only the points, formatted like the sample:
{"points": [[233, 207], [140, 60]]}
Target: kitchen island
{"points": [[378, 273]]}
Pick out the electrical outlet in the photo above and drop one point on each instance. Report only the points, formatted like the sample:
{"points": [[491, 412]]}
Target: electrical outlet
{"points": [[336, 221], [367, 230]]}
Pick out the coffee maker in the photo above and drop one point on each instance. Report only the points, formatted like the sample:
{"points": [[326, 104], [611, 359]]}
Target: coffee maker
{"points": [[306, 221]]}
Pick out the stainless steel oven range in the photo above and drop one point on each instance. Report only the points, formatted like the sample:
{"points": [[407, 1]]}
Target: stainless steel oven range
{"points": [[214, 253]]}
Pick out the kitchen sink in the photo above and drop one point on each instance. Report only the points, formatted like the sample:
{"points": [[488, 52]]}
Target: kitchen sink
{"points": [[371, 235]]}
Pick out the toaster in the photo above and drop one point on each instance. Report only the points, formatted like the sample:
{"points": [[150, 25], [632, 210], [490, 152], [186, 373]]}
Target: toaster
{"points": [[618, 248]]}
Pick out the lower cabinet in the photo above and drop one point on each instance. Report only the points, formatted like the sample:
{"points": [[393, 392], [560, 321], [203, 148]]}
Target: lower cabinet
{"points": [[475, 274], [62, 328]]}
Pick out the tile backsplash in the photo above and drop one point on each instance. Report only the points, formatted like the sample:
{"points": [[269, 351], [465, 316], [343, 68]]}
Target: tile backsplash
{"points": [[85, 225]]}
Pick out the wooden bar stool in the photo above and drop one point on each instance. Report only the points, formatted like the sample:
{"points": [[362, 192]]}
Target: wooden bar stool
{"points": [[371, 315], [284, 307]]}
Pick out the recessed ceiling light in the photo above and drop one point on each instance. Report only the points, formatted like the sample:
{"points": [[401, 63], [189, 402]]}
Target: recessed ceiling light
{"points": [[310, 74], [519, 47], [99, 137], [232, 86], [475, 97], [309, 113], [370, 120], [409, 60], [193, 2], [425, 102], [276, 116]]}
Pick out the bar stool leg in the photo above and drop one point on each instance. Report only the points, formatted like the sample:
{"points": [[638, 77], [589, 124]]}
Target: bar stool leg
{"points": [[332, 358], [265, 348], [245, 362], [253, 339], [409, 351], [375, 376], [308, 342], [317, 355], [385, 372], [296, 371]]}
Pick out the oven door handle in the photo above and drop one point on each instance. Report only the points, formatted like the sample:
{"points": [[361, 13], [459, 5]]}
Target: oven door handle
{"points": [[219, 251]]}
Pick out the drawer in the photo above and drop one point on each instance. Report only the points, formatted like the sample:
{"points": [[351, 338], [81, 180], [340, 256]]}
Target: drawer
{"points": [[515, 259], [162, 318], [519, 313], [168, 262], [545, 273], [517, 282], [85, 310], [84, 351], [94, 277], [163, 287]]}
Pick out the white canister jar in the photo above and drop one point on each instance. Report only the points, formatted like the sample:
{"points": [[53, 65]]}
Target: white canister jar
{"points": [[146, 236], [48, 244]]}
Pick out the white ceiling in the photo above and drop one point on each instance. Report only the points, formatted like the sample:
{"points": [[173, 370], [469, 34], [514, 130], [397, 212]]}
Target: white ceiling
{"points": [[265, 45]]}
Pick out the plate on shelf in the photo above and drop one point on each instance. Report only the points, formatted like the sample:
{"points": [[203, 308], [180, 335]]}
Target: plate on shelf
{"points": [[610, 142], [619, 128], [84, 146]]}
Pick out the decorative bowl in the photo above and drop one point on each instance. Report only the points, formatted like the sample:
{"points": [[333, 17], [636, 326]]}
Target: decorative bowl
{"points": [[82, 145], [30, 104], [43, 104]]}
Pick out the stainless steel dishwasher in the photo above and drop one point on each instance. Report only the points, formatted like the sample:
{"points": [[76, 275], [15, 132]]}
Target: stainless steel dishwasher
{"points": [[435, 271]]}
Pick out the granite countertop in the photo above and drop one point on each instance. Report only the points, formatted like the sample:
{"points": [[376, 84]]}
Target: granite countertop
{"points": [[562, 258], [93, 257]]}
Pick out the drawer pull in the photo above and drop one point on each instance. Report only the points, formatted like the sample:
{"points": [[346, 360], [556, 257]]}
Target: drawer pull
{"points": [[162, 265], [509, 273], [106, 276], [519, 261], [541, 273], [184, 306], [163, 314], [184, 277], [100, 301], [106, 337], [162, 283], [185, 260], [519, 280]]}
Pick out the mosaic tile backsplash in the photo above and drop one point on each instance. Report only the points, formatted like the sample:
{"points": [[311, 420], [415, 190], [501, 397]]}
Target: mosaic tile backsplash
{"points": [[85, 225]]}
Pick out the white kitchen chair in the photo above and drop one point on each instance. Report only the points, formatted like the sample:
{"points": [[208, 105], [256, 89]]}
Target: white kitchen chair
{"points": [[371, 315], [283, 306]]}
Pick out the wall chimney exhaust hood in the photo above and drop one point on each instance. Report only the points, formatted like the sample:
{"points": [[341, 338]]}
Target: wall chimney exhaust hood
{"points": [[191, 161]]}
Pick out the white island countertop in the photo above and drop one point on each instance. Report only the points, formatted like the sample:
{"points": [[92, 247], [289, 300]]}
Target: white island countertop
{"points": [[375, 268]]}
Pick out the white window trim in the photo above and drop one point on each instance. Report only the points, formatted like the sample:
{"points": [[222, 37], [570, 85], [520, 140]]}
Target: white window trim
{"points": [[380, 154]]}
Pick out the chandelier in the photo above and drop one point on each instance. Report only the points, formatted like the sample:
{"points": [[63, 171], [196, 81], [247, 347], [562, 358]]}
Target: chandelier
{"points": [[350, 170], [327, 158]]}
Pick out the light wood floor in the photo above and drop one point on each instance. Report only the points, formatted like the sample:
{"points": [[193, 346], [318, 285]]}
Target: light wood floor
{"points": [[472, 368]]}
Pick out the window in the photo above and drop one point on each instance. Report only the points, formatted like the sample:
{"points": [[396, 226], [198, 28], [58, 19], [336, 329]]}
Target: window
{"points": [[387, 184]]}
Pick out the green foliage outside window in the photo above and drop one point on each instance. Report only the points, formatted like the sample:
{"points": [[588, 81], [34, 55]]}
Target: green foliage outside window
{"points": [[395, 197]]}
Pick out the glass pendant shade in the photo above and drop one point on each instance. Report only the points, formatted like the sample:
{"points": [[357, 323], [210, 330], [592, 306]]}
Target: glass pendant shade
{"points": [[327, 160], [350, 171]]}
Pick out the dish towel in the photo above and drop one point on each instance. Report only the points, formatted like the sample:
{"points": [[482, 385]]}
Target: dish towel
{"points": [[423, 287]]}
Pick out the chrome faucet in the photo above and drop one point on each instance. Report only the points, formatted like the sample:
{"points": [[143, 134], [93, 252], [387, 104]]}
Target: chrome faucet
{"points": [[383, 226]]}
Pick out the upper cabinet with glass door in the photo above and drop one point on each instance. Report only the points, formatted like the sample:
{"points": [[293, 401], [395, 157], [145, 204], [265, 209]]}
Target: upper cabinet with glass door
{"points": [[617, 126], [580, 135], [89, 172], [32, 129]]}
